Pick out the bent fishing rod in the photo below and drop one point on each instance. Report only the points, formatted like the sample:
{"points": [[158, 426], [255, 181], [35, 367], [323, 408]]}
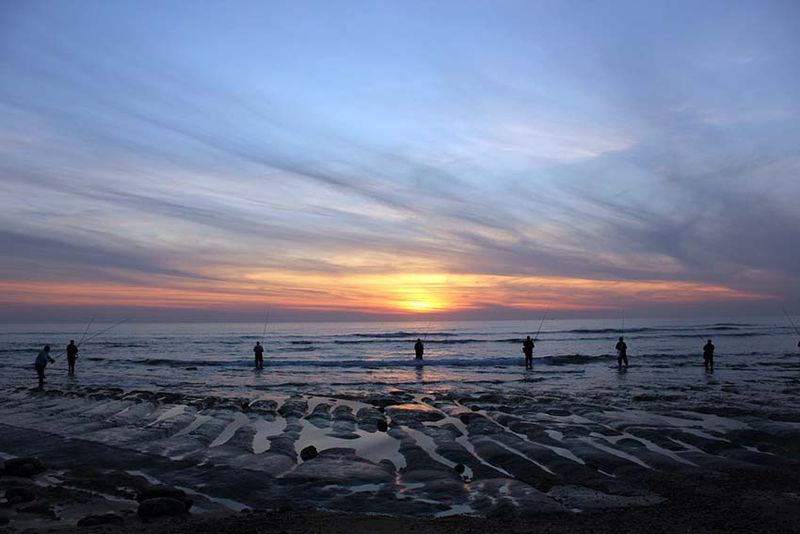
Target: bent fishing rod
{"points": [[536, 337], [88, 326], [791, 321], [93, 336], [266, 322], [427, 331]]}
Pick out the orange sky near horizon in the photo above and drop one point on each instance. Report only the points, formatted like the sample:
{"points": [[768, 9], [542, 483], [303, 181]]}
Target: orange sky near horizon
{"points": [[397, 294]]}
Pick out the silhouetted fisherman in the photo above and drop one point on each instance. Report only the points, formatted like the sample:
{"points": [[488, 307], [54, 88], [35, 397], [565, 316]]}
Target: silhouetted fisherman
{"points": [[527, 348], [41, 362], [258, 350], [708, 355], [419, 349], [622, 353], [72, 355]]}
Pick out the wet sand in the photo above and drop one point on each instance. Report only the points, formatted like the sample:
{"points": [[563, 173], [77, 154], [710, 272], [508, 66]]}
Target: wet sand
{"points": [[763, 500], [561, 461]]}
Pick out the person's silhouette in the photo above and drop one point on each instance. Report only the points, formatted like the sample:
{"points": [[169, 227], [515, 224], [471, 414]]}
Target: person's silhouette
{"points": [[708, 355], [419, 349], [72, 355], [41, 362], [622, 353], [527, 349], [258, 350]]}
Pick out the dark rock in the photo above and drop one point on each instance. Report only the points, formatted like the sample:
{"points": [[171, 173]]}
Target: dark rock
{"points": [[38, 508], [412, 414], [308, 453], [382, 425], [160, 507], [159, 492], [207, 402], [503, 509], [23, 467], [476, 408], [92, 520], [459, 468], [4, 520], [20, 495], [293, 407]]}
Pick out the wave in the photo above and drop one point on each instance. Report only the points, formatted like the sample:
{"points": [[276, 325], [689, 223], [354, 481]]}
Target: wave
{"points": [[400, 334], [119, 345], [366, 364], [576, 359], [508, 361], [734, 334]]}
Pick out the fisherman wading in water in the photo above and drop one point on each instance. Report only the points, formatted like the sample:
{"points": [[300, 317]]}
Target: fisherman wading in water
{"points": [[419, 349], [527, 349], [622, 353], [72, 356], [708, 355], [41, 362], [258, 350]]}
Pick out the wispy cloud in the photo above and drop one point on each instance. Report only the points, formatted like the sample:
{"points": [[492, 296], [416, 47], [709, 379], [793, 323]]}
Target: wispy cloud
{"points": [[556, 166]]}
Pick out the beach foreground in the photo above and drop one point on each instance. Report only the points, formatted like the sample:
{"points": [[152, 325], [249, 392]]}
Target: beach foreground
{"points": [[342, 422], [751, 500], [741, 501], [660, 456]]}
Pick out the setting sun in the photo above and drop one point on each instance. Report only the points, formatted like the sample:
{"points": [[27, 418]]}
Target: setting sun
{"points": [[421, 305]]}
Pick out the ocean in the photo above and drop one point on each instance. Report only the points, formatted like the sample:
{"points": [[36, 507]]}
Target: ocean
{"points": [[217, 358], [469, 431]]}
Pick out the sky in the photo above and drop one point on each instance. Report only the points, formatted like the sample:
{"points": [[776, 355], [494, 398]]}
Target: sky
{"points": [[344, 160]]}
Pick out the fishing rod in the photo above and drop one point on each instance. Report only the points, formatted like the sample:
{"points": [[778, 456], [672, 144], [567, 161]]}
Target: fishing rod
{"points": [[101, 332], [245, 402], [96, 334], [536, 337], [791, 321], [427, 331], [88, 326], [264, 331]]}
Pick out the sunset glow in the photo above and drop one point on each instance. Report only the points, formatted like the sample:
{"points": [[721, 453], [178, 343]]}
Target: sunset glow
{"points": [[497, 165]]}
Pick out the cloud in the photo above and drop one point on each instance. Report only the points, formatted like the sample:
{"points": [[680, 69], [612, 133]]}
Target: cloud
{"points": [[592, 159]]}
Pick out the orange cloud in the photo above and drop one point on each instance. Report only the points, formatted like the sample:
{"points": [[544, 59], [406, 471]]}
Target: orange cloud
{"points": [[396, 293]]}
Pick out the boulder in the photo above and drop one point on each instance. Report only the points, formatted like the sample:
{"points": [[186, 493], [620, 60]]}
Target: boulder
{"points": [[93, 520], [20, 494], [308, 453], [38, 508], [503, 509], [460, 468], [23, 467], [158, 492], [382, 425], [160, 507]]}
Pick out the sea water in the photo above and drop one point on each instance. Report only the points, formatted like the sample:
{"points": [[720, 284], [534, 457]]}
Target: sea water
{"points": [[217, 358]]}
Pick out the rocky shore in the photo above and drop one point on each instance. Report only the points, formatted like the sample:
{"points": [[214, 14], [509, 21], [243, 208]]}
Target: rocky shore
{"points": [[749, 500], [424, 462]]}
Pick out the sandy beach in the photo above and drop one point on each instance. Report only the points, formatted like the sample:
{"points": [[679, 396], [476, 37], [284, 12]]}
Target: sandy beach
{"points": [[751, 500], [449, 460]]}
